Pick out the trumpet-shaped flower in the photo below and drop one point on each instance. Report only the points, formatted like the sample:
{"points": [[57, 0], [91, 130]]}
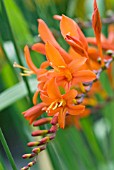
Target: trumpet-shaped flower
{"points": [[61, 104], [67, 74]]}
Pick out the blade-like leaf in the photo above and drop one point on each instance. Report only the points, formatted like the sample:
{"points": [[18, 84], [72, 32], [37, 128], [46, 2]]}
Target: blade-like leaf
{"points": [[15, 93]]}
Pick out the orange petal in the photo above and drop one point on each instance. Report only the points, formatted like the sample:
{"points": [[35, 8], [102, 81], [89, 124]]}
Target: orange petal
{"points": [[54, 56], [67, 25], [39, 47], [57, 17], [79, 49], [96, 21], [35, 97], [82, 38], [85, 113], [93, 53], [53, 112], [44, 65], [61, 118], [74, 54], [75, 109], [83, 76], [45, 33], [91, 40], [70, 95], [46, 99], [53, 90], [76, 64], [28, 60]]}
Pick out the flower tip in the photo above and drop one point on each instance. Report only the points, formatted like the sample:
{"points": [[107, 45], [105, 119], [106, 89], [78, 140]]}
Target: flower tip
{"points": [[95, 4], [26, 48], [40, 21], [25, 168], [57, 17]]}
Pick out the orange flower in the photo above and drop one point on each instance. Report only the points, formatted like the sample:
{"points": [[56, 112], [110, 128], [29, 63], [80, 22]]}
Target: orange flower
{"points": [[78, 43], [67, 74], [73, 35], [46, 35], [61, 104]]}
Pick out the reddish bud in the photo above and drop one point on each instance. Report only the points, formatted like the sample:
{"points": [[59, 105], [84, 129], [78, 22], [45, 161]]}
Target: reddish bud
{"points": [[31, 163], [31, 155], [54, 120], [42, 121], [25, 168], [39, 132], [53, 129], [39, 149]]}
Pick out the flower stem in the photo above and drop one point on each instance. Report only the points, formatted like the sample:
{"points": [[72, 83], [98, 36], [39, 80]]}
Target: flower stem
{"points": [[6, 148]]}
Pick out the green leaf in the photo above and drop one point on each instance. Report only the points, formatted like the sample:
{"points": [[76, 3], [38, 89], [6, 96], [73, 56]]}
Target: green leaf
{"points": [[18, 24], [15, 93]]}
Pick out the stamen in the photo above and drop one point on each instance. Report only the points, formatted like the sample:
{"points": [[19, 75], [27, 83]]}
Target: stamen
{"points": [[27, 73], [55, 107], [19, 66], [51, 105], [61, 66], [23, 74], [60, 104]]}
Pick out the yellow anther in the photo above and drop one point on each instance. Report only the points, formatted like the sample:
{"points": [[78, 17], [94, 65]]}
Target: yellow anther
{"points": [[55, 107], [61, 66], [60, 104], [82, 88], [74, 101], [51, 105]]}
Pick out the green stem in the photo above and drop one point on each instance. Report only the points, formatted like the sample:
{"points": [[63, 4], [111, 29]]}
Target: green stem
{"points": [[16, 48], [4, 143]]}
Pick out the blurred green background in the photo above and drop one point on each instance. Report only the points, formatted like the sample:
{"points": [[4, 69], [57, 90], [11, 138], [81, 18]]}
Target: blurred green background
{"points": [[91, 148]]}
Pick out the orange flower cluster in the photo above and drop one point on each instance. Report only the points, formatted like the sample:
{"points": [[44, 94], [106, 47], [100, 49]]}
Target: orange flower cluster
{"points": [[65, 77], [60, 86], [69, 70]]}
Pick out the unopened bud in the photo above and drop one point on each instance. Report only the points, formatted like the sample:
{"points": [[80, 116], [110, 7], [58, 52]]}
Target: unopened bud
{"points": [[31, 163], [42, 121], [31, 155], [39, 132], [25, 168], [54, 120], [53, 129]]}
